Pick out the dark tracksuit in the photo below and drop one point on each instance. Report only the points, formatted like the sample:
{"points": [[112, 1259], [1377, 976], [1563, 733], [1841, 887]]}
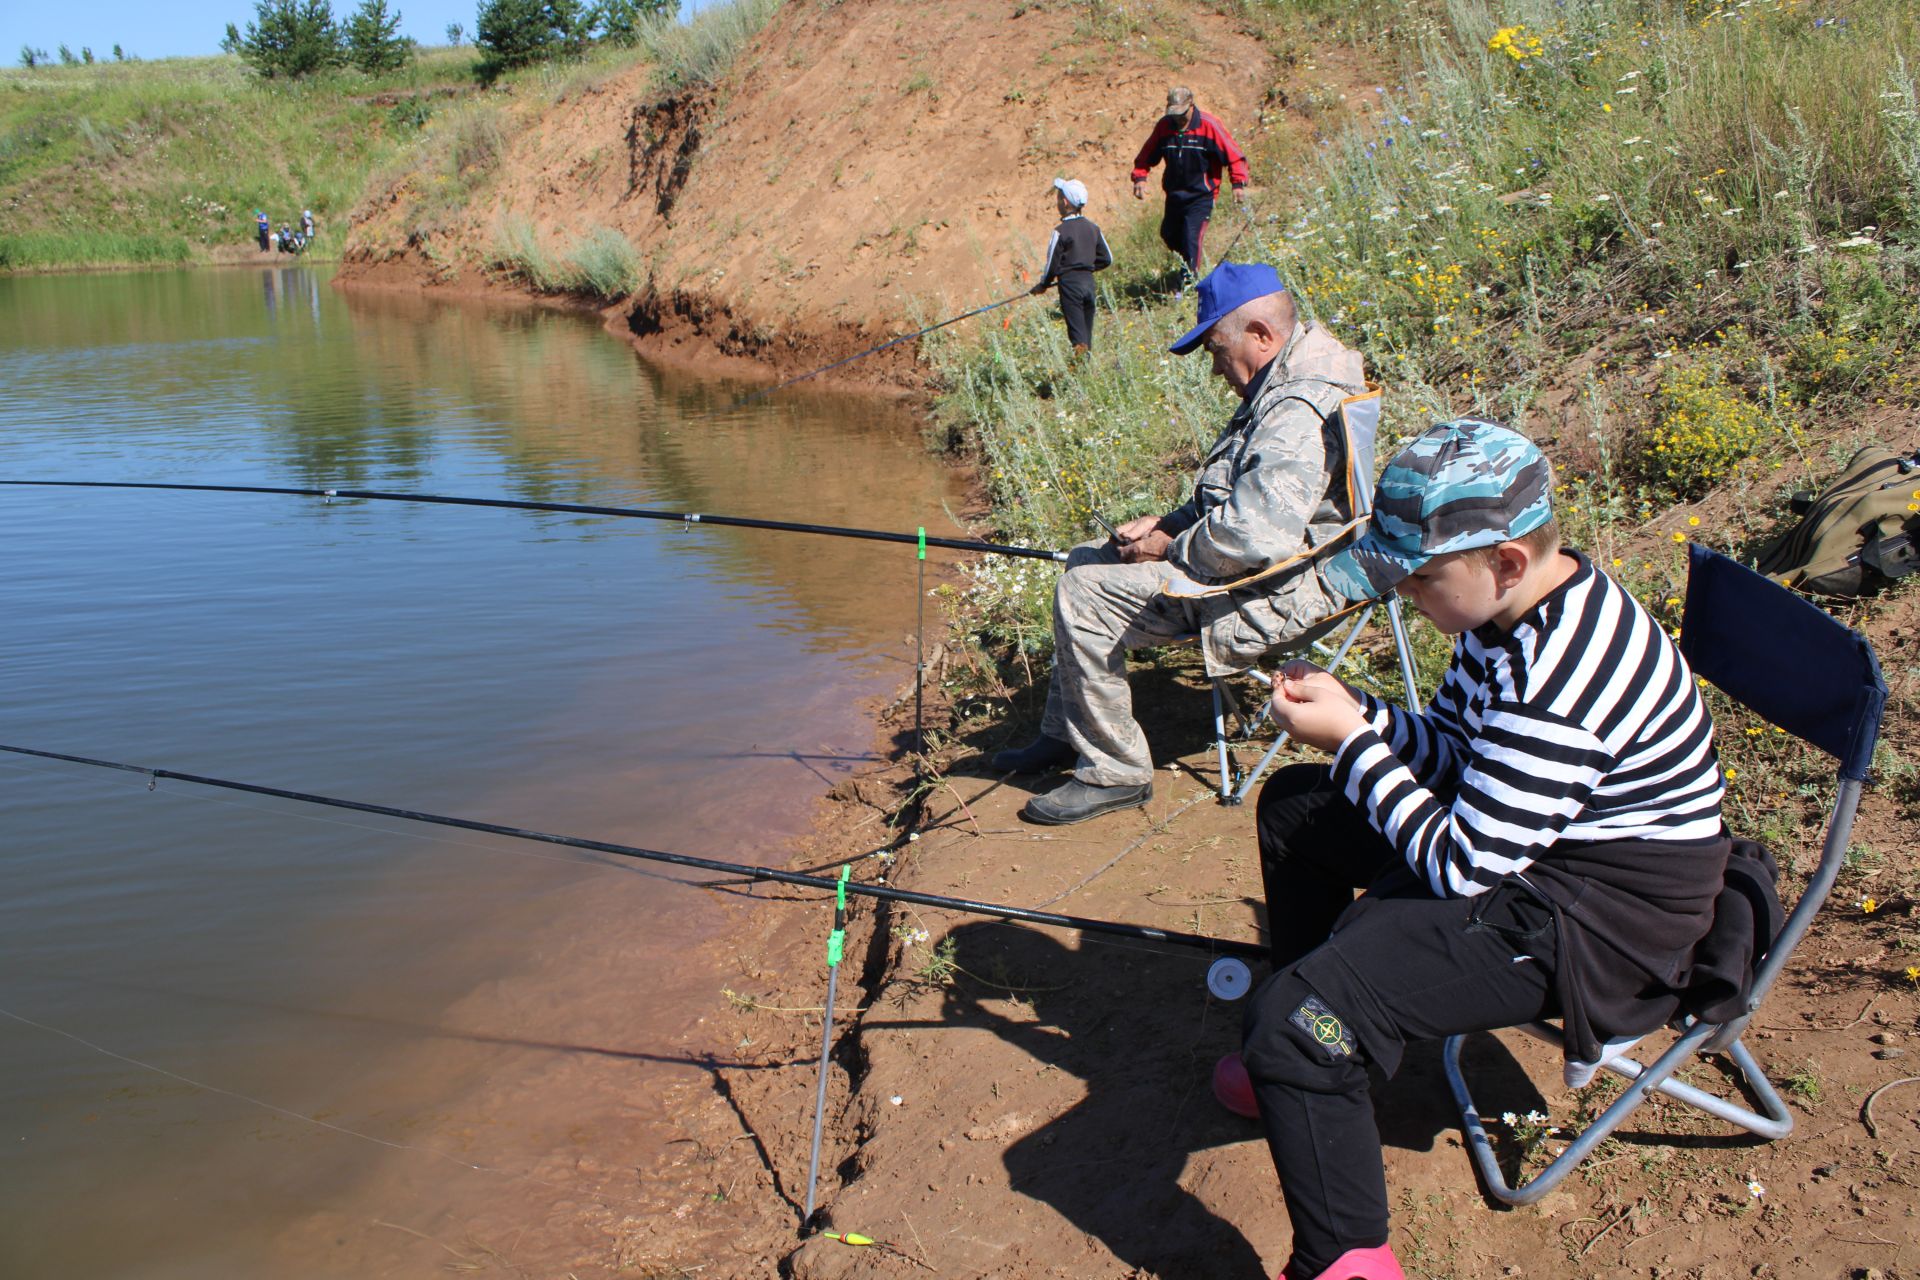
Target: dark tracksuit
{"points": [[1194, 154], [1076, 251]]}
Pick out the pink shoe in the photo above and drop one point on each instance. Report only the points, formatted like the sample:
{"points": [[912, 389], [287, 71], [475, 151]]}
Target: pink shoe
{"points": [[1233, 1088], [1377, 1263]]}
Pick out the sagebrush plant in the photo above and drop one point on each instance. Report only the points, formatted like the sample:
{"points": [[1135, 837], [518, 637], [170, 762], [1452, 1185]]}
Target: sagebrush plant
{"points": [[607, 264]]}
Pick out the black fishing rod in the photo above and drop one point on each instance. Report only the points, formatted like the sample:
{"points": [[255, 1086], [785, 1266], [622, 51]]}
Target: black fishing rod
{"points": [[1145, 933], [572, 508], [893, 342]]}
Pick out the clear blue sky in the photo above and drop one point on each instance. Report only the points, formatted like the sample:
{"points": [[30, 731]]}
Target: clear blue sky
{"points": [[188, 28]]}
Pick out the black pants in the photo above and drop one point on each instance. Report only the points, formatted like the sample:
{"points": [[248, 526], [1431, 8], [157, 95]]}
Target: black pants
{"points": [[1076, 306], [1184, 225], [1353, 982]]}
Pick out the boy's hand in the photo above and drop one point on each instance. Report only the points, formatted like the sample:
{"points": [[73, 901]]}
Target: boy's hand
{"points": [[1139, 188], [1042, 287], [1314, 707]]}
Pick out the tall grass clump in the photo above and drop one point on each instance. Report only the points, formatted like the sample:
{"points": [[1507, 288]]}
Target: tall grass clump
{"points": [[606, 264], [1061, 439], [601, 265], [700, 51], [517, 251]]}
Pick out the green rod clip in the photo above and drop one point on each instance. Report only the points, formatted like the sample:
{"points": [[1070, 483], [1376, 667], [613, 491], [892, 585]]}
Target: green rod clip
{"points": [[923, 542], [837, 940]]}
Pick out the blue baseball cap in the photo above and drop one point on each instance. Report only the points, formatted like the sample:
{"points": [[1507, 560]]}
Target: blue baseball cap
{"points": [[1460, 485], [1228, 287]]}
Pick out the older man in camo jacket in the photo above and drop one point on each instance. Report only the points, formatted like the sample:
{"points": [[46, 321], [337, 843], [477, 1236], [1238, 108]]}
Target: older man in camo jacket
{"points": [[1272, 488]]}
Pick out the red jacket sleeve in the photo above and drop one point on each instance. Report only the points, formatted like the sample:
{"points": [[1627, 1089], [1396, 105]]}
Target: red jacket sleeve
{"points": [[1150, 153], [1236, 161]]}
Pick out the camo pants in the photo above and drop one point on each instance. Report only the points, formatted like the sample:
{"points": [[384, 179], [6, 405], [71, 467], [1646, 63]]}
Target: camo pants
{"points": [[1101, 609]]}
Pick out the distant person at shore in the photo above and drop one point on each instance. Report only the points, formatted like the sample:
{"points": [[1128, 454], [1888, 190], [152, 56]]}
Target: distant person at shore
{"points": [[1271, 489], [1543, 840], [306, 227], [1195, 147], [1075, 252], [263, 227]]}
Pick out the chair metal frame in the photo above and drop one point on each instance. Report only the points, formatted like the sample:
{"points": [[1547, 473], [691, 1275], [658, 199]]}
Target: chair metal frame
{"points": [[1733, 657], [1234, 789]]}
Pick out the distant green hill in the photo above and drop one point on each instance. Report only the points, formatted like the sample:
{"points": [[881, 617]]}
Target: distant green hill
{"points": [[166, 161]]}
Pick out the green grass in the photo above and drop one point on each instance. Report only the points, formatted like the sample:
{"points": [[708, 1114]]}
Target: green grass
{"points": [[42, 249], [121, 163]]}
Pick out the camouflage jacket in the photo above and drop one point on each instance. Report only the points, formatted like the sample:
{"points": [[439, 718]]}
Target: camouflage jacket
{"points": [[1271, 488]]}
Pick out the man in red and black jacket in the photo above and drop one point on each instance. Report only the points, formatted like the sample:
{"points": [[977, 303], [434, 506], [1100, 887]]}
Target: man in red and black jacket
{"points": [[1195, 147]]}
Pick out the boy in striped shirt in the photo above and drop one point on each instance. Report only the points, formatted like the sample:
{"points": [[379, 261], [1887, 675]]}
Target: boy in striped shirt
{"points": [[1544, 840]]}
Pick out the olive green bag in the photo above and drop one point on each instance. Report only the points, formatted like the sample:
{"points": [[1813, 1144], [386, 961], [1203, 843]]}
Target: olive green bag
{"points": [[1857, 533]]}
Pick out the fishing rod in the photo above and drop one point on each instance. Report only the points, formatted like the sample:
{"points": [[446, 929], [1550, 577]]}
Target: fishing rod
{"points": [[894, 342], [572, 508], [888, 893]]}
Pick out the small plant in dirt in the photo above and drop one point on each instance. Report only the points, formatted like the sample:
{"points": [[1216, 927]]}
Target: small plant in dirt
{"points": [[941, 966], [1805, 1086], [1529, 1132]]}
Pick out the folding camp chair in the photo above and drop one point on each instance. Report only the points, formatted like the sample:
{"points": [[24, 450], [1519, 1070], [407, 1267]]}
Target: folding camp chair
{"points": [[1358, 419], [1795, 666]]}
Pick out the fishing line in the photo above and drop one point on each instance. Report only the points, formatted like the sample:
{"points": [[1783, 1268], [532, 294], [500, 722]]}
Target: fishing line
{"points": [[1148, 933], [20, 766], [894, 342], [567, 508]]}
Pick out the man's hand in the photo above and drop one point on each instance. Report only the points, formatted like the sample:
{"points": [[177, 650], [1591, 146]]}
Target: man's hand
{"points": [[1243, 192], [1139, 188], [1151, 545], [1042, 287], [1314, 707], [1135, 529]]}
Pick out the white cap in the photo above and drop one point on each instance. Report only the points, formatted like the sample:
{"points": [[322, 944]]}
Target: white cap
{"points": [[1073, 189]]}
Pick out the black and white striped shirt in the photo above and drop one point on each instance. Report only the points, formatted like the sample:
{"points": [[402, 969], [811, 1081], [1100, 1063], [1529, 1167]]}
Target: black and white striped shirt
{"points": [[1581, 724]]}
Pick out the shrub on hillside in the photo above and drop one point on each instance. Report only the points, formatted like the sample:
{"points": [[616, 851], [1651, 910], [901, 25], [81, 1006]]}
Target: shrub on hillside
{"points": [[512, 33], [623, 21], [290, 38], [1705, 426], [606, 264], [373, 39]]}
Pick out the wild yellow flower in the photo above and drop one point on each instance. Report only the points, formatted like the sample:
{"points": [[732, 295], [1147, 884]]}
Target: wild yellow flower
{"points": [[1693, 521], [1869, 905]]}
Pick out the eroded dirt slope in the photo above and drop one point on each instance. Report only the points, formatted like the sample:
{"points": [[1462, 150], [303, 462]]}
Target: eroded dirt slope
{"points": [[867, 164]]}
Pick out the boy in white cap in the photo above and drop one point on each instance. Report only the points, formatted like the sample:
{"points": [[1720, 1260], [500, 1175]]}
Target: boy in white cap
{"points": [[1075, 252]]}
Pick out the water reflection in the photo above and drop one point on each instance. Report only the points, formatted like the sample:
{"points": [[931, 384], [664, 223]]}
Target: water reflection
{"points": [[631, 680]]}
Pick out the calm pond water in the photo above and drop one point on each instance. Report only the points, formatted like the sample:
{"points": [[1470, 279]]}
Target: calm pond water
{"points": [[224, 1019]]}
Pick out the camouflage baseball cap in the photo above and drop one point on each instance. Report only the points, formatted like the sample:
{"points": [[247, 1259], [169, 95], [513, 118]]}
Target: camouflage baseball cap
{"points": [[1460, 485]]}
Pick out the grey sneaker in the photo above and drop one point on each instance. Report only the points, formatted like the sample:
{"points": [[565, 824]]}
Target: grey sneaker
{"points": [[1077, 801], [1038, 756]]}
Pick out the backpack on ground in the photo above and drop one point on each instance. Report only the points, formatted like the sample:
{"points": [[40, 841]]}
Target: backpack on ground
{"points": [[1857, 534]]}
